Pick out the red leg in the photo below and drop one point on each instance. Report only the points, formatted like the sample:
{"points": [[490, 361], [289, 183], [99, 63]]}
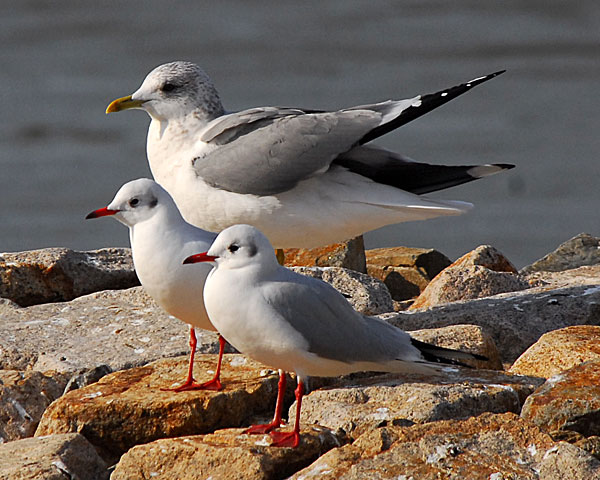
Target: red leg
{"points": [[291, 439], [190, 383], [277, 421]]}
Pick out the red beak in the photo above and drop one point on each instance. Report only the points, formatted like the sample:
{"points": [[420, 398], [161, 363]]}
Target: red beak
{"points": [[199, 257], [101, 212]]}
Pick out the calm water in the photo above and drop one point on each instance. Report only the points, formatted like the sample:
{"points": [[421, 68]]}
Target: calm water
{"points": [[61, 63]]}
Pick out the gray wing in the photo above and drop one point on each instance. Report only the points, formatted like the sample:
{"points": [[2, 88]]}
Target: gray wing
{"points": [[268, 151], [332, 328]]}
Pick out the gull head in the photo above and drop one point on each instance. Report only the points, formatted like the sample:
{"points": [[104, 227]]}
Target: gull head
{"points": [[137, 201], [174, 90], [239, 246]]}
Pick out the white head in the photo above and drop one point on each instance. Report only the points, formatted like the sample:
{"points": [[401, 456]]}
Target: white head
{"points": [[239, 246], [174, 90], [138, 201]]}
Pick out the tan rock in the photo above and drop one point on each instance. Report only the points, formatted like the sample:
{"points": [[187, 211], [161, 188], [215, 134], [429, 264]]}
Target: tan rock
{"points": [[466, 338], [61, 274], [128, 408], [491, 446], [567, 402], [405, 271], [358, 405], [23, 398], [480, 273], [559, 350], [55, 457], [225, 454], [349, 254]]}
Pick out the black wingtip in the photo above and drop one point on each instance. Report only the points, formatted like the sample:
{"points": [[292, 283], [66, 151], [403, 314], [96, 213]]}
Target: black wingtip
{"points": [[435, 354]]}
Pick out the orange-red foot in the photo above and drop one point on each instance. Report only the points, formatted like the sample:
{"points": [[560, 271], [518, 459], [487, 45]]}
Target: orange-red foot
{"points": [[262, 428], [214, 385], [285, 439]]}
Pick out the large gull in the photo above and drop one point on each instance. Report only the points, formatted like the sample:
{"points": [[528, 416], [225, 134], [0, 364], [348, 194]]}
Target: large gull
{"points": [[304, 177]]}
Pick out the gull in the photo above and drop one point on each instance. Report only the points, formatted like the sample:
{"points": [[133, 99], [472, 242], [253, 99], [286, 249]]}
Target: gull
{"points": [[305, 178], [160, 239], [300, 324]]}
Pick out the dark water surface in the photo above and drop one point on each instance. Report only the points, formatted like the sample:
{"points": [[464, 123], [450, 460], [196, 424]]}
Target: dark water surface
{"points": [[62, 62]]}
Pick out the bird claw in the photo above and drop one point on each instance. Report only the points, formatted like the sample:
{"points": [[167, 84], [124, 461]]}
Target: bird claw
{"points": [[213, 385], [262, 428], [285, 439]]}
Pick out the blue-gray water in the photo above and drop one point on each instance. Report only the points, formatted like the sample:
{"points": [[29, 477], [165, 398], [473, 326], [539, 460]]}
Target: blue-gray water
{"points": [[62, 62]]}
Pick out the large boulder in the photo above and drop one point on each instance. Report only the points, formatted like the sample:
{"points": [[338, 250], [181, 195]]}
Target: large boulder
{"points": [[405, 271], [61, 274], [349, 254], [581, 250], [480, 273]]}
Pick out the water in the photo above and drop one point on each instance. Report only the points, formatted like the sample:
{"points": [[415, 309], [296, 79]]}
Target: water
{"points": [[62, 62]]}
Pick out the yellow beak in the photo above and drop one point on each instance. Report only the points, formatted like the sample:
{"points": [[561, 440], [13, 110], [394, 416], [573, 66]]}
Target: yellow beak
{"points": [[124, 103]]}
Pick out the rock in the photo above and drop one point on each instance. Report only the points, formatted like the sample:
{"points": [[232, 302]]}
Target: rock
{"points": [[349, 254], [514, 320], [466, 338], [119, 329], [61, 274], [127, 408], [480, 273], [23, 398], [225, 454], [405, 271], [366, 294], [567, 402], [390, 399], [56, 457], [491, 446], [559, 350], [578, 251]]}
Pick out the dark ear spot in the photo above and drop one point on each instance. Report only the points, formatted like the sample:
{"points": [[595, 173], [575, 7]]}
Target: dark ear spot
{"points": [[252, 250], [153, 202]]}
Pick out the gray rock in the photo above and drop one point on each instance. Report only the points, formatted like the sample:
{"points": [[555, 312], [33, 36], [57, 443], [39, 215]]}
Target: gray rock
{"points": [[366, 294], [60, 274], [568, 462], [55, 457], [120, 329], [514, 320], [578, 251], [23, 398], [357, 406]]}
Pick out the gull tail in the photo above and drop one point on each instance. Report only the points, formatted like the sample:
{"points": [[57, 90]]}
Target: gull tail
{"points": [[420, 106], [434, 354]]}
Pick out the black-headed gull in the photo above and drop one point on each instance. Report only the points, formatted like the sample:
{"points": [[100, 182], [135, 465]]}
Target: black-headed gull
{"points": [[300, 324], [305, 178], [160, 240]]}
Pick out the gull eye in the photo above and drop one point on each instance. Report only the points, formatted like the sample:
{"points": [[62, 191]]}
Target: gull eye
{"points": [[233, 248], [134, 202], [168, 87]]}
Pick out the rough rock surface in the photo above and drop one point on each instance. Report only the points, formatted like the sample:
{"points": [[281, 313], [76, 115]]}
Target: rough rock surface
{"points": [[55, 457], [117, 328], [23, 398], [128, 408], [61, 274], [225, 454], [514, 320], [490, 447], [480, 273], [390, 399], [366, 294], [466, 338], [583, 249], [349, 254], [405, 271], [567, 402], [559, 350]]}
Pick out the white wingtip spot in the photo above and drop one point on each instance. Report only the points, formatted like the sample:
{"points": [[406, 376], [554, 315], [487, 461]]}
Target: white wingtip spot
{"points": [[444, 94], [484, 170]]}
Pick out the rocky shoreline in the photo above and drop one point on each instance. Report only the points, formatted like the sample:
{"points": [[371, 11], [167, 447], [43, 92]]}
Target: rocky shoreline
{"points": [[84, 353]]}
